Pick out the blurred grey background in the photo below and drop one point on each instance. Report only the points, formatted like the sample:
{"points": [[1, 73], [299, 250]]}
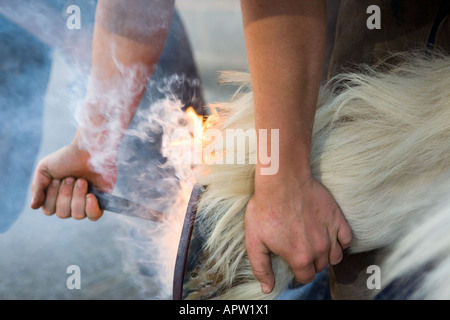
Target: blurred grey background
{"points": [[36, 250]]}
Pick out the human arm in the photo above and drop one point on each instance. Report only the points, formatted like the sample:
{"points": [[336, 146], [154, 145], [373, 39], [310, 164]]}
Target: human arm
{"points": [[128, 41], [290, 214]]}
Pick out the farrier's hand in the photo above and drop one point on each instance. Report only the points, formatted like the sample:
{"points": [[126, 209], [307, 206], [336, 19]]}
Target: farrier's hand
{"points": [[290, 214], [60, 185], [299, 222]]}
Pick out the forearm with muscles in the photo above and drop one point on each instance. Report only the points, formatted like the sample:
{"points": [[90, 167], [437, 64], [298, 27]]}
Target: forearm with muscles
{"points": [[285, 46], [290, 213]]}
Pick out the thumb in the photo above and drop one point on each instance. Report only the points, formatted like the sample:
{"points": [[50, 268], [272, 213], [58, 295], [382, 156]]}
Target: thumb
{"points": [[41, 181], [62, 163], [259, 257]]}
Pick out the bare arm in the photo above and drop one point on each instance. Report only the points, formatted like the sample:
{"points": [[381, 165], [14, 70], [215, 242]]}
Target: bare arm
{"points": [[290, 214], [128, 42], [285, 46]]}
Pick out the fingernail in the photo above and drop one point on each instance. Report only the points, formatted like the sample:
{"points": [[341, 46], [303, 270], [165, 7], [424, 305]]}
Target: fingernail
{"points": [[69, 180]]}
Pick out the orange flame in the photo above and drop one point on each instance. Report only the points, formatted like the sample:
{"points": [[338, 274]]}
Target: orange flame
{"points": [[196, 121], [199, 125]]}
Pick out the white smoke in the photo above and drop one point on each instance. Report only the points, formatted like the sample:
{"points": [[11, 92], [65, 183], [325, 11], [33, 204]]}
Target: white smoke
{"points": [[147, 174], [168, 185]]}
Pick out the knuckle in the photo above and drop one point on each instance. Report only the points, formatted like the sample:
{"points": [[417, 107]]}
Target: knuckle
{"points": [[80, 187], [261, 273], [345, 236], [322, 247], [302, 261], [345, 243]]}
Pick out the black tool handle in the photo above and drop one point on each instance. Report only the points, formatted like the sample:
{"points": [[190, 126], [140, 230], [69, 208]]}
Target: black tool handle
{"points": [[126, 207]]}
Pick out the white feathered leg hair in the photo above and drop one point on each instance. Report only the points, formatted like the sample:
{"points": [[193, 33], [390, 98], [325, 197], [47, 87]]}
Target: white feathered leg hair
{"points": [[381, 143]]}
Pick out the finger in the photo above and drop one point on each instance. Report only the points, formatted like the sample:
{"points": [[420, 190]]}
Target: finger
{"points": [[320, 264], [304, 273], [320, 251], [259, 257], [302, 265], [49, 206], [344, 235], [63, 202], [78, 203], [41, 181], [335, 253], [93, 210]]}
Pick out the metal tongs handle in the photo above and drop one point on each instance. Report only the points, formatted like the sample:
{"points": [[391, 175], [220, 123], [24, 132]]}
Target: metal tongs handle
{"points": [[125, 207]]}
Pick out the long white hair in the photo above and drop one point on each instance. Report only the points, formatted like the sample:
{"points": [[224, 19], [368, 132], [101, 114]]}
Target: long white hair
{"points": [[381, 146]]}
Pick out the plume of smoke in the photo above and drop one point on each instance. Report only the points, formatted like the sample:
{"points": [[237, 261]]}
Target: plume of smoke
{"points": [[152, 177], [145, 173]]}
